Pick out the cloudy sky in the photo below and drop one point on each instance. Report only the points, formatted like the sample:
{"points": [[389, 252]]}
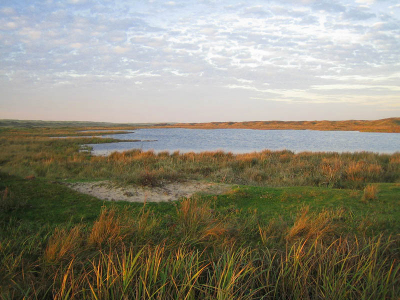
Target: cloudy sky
{"points": [[199, 60]]}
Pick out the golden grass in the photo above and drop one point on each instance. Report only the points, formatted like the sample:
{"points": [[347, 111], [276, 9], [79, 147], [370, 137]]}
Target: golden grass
{"points": [[313, 226], [107, 229], [222, 258], [56, 159], [370, 192], [63, 244]]}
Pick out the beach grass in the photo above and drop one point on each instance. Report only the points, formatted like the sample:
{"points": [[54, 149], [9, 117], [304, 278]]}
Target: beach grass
{"points": [[200, 248], [293, 226], [252, 243], [31, 152]]}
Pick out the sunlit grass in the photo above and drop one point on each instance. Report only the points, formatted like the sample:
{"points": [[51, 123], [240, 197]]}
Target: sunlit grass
{"points": [[385, 125], [307, 240], [27, 154], [309, 259], [370, 192]]}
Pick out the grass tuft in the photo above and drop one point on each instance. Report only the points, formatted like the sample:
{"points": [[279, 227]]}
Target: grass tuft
{"points": [[63, 244], [106, 230], [315, 226], [370, 193]]}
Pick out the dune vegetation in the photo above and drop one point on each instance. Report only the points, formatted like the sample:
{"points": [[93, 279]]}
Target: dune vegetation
{"points": [[384, 125], [33, 153], [294, 225]]}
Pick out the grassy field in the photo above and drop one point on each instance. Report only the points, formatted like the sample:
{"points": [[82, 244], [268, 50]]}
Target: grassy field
{"points": [[294, 226]]}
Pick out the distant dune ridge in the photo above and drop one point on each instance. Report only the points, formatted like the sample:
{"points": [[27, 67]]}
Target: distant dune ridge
{"points": [[384, 125]]}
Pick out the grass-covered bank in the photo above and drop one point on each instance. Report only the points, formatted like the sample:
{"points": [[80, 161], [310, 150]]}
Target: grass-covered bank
{"points": [[253, 243], [27, 152]]}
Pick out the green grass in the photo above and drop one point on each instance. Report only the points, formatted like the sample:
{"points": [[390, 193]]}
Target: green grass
{"points": [[247, 244], [383, 212], [45, 202], [52, 203]]}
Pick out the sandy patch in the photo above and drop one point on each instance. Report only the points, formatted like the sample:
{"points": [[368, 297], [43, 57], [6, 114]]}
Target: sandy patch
{"points": [[106, 190]]}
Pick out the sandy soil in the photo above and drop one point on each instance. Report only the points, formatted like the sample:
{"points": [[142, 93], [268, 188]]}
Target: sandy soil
{"points": [[106, 190]]}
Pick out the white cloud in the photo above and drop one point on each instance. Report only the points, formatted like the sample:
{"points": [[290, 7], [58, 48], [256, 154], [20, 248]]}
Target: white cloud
{"points": [[354, 87], [121, 50], [177, 73], [31, 33], [8, 10], [372, 78], [71, 73], [11, 25], [366, 2], [248, 87], [114, 36], [139, 73], [76, 1], [244, 80], [76, 45], [287, 50]]}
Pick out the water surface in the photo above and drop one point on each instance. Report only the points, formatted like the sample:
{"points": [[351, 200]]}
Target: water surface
{"points": [[106, 130], [248, 140]]}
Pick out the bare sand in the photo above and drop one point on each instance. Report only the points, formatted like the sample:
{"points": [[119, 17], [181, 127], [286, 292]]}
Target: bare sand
{"points": [[107, 190]]}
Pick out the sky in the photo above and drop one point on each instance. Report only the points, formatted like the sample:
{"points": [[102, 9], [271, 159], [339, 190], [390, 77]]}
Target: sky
{"points": [[199, 60]]}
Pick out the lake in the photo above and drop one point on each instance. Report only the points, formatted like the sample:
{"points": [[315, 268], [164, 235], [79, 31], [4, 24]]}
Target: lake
{"points": [[248, 140]]}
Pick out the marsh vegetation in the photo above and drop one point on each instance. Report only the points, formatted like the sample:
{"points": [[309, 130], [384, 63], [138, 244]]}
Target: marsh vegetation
{"points": [[295, 226]]}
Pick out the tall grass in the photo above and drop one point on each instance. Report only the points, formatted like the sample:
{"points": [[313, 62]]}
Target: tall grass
{"points": [[370, 192], [309, 258], [313, 226], [26, 155], [197, 252]]}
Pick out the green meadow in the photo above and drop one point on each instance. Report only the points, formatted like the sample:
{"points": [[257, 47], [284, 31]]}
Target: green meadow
{"points": [[293, 226]]}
